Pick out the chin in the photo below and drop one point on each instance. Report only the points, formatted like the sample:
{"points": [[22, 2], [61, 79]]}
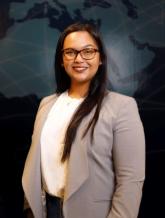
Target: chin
{"points": [[80, 80]]}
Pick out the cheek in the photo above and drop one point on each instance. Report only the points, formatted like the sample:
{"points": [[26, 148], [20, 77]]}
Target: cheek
{"points": [[67, 67], [96, 64], [64, 64]]}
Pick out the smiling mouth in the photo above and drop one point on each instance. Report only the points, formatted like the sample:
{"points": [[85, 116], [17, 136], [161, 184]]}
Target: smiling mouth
{"points": [[79, 69]]}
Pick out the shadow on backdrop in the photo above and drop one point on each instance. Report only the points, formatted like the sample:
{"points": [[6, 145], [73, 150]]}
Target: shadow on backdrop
{"points": [[16, 124]]}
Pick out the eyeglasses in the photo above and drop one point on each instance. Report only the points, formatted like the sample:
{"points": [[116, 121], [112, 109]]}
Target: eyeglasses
{"points": [[86, 53]]}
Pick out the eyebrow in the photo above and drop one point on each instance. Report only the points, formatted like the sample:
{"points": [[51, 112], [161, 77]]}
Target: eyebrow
{"points": [[86, 46]]}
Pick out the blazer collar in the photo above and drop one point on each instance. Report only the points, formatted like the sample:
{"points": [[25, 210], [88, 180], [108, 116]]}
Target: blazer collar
{"points": [[78, 170], [78, 166], [42, 114]]}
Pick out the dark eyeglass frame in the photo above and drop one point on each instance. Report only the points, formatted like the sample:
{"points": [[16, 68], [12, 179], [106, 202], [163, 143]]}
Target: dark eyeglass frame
{"points": [[76, 52]]}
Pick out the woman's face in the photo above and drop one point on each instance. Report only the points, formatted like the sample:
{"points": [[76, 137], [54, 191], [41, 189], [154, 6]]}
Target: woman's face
{"points": [[79, 69]]}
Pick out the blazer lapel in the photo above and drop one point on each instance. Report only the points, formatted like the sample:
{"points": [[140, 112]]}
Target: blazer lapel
{"points": [[78, 170], [31, 179], [41, 117]]}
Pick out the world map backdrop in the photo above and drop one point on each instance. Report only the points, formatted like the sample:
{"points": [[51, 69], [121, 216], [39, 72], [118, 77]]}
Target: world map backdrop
{"points": [[133, 33], [134, 37]]}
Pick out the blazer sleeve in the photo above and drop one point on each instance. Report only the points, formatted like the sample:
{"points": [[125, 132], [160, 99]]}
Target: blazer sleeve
{"points": [[129, 161]]}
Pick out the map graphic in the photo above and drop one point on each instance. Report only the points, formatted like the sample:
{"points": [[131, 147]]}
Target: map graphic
{"points": [[29, 31], [134, 36]]}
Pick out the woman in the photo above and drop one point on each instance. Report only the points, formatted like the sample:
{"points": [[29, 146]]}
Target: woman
{"points": [[87, 154]]}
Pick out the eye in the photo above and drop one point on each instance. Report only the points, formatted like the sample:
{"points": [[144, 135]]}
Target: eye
{"points": [[69, 52], [88, 51]]}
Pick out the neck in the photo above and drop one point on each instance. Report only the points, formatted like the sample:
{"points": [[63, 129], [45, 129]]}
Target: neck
{"points": [[78, 91]]}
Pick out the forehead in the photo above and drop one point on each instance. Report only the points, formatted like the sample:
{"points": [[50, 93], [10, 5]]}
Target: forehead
{"points": [[79, 39]]}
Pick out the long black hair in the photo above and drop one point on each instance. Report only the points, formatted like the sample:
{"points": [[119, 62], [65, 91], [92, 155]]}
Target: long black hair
{"points": [[97, 88]]}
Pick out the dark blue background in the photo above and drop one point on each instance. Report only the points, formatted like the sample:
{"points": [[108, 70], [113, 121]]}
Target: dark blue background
{"points": [[134, 35]]}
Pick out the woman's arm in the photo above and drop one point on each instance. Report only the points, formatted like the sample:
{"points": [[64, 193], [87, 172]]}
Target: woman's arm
{"points": [[129, 162]]}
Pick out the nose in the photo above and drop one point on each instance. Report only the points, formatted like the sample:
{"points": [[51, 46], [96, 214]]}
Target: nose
{"points": [[78, 58]]}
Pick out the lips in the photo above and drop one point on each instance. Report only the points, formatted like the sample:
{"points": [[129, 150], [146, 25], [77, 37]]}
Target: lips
{"points": [[79, 68]]}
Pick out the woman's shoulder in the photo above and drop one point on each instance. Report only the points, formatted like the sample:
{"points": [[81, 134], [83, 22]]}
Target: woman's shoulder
{"points": [[47, 99], [115, 101], [118, 97]]}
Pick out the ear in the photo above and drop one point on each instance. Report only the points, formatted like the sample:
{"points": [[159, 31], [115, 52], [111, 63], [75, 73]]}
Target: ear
{"points": [[100, 61]]}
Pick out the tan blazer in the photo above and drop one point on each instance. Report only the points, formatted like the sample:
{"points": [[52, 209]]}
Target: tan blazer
{"points": [[105, 179]]}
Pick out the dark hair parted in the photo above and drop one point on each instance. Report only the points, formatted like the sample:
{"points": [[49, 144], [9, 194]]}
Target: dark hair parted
{"points": [[97, 88]]}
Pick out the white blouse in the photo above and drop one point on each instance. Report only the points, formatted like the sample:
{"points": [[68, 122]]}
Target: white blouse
{"points": [[52, 144]]}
